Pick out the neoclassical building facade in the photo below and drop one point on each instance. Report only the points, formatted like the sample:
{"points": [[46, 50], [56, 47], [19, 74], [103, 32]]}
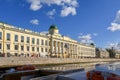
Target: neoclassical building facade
{"points": [[23, 42]]}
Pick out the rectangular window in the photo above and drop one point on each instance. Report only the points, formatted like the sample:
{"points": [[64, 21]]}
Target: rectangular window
{"points": [[8, 46], [42, 50], [16, 47], [49, 43], [33, 40], [28, 39], [8, 36], [46, 49], [16, 38], [42, 42], [0, 35], [37, 49], [0, 46], [46, 42], [16, 54], [22, 48], [61, 45], [33, 49], [22, 38], [37, 41], [28, 48]]}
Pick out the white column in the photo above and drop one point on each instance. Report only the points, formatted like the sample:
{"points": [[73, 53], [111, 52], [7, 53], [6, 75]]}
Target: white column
{"points": [[56, 47], [52, 46], [73, 49], [69, 49], [60, 47], [77, 50], [63, 48]]}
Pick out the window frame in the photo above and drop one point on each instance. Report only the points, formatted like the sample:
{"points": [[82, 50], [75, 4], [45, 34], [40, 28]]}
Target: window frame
{"points": [[8, 37], [16, 38]]}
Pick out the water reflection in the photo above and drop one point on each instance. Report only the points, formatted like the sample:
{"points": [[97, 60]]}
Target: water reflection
{"points": [[114, 66], [66, 67]]}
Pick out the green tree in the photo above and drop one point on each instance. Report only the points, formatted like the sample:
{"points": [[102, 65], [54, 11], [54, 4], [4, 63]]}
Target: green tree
{"points": [[111, 52]]}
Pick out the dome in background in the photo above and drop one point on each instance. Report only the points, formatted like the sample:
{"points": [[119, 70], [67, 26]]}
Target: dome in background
{"points": [[53, 27]]}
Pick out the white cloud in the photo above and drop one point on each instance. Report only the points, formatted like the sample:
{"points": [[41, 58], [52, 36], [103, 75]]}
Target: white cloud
{"points": [[115, 25], [117, 19], [51, 13], [35, 4], [68, 6], [68, 10], [114, 45], [86, 38], [34, 21], [95, 34]]}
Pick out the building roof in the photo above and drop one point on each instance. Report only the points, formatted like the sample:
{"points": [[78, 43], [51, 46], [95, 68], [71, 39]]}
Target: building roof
{"points": [[53, 27]]}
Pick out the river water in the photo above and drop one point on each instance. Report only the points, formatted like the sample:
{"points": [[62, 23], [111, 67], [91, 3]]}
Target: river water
{"points": [[80, 75], [67, 67], [115, 67]]}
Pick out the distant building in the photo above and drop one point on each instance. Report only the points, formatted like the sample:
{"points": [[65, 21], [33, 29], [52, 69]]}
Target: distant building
{"points": [[97, 55], [22, 42], [101, 53], [117, 54]]}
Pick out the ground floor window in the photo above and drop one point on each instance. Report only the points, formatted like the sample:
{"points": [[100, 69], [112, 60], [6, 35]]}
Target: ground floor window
{"points": [[8, 46], [1, 55], [8, 54], [42, 50], [22, 48], [46, 49], [28, 48], [37, 49], [28, 54], [16, 47], [22, 54], [16, 54], [33, 49]]}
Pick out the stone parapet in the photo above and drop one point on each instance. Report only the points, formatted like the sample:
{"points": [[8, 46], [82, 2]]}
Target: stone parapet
{"points": [[10, 61]]}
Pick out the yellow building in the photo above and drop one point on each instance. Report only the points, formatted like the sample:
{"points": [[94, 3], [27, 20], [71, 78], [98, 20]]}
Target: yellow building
{"points": [[22, 42]]}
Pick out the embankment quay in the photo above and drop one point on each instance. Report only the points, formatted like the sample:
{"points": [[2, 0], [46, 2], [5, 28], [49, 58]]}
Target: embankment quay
{"points": [[15, 61]]}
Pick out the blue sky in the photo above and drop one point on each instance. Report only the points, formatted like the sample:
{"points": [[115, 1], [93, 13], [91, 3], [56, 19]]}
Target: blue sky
{"points": [[88, 21]]}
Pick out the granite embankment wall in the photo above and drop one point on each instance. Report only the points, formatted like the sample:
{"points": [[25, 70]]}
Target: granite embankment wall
{"points": [[9, 61]]}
